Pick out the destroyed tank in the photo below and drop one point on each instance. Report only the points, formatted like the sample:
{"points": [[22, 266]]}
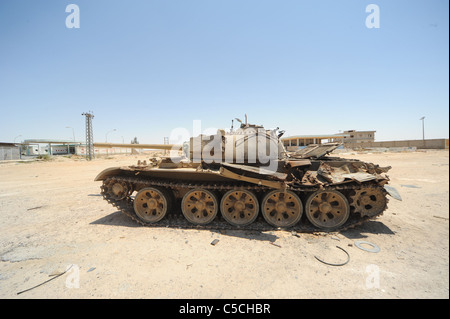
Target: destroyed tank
{"points": [[245, 178]]}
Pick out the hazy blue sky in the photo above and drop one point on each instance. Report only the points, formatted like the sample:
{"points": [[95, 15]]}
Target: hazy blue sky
{"points": [[146, 67]]}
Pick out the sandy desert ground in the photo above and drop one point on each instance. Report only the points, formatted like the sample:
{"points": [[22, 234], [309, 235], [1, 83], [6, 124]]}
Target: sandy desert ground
{"points": [[52, 218]]}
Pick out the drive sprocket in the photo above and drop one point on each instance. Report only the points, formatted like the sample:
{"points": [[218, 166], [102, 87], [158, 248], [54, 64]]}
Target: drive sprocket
{"points": [[368, 201]]}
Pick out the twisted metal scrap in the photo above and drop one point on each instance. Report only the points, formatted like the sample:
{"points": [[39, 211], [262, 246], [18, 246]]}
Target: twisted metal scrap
{"points": [[341, 264]]}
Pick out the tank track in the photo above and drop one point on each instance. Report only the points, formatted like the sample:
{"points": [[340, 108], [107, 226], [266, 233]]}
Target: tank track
{"points": [[175, 219]]}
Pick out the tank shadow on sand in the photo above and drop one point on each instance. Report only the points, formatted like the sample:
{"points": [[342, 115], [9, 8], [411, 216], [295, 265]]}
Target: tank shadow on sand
{"points": [[262, 233], [116, 219], [248, 234], [369, 227], [119, 219]]}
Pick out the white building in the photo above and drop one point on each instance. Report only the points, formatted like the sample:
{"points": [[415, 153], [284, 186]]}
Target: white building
{"points": [[50, 147]]}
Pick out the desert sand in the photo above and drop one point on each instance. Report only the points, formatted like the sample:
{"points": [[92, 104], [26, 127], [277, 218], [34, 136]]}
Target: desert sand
{"points": [[52, 218]]}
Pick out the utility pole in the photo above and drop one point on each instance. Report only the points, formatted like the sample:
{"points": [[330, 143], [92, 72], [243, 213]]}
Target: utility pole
{"points": [[89, 136], [106, 136], [423, 129], [73, 132]]}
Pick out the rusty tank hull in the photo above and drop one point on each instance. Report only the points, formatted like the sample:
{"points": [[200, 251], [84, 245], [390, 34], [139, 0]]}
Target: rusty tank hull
{"points": [[219, 188]]}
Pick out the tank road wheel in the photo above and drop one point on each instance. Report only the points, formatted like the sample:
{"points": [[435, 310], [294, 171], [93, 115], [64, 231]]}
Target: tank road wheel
{"points": [[281, 208], [368, 201], [151, 204], [199, 206], [239, 207], [116, 189], [327, 209]]}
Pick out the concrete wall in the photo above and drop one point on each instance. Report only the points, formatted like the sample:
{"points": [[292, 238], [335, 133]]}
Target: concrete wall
{"points": [[9, 153], [440, 143]]}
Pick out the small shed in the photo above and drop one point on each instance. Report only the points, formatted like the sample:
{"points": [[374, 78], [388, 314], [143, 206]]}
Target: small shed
{"points": [[9, 151]]}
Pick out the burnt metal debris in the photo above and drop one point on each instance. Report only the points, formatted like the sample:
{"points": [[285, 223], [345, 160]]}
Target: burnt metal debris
{"points": [[336, 264], [374, 248], [245, 178]]}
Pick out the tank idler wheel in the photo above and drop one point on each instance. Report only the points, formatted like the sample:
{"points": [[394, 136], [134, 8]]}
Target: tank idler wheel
{"points": [[117, 189], [151, 204], [282, 208], [199, 206], [239, 207], [327, 209]]}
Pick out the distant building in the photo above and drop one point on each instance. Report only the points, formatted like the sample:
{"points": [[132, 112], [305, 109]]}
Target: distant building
{"points": [[353, 136], [50, 147], [292, 143]]}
